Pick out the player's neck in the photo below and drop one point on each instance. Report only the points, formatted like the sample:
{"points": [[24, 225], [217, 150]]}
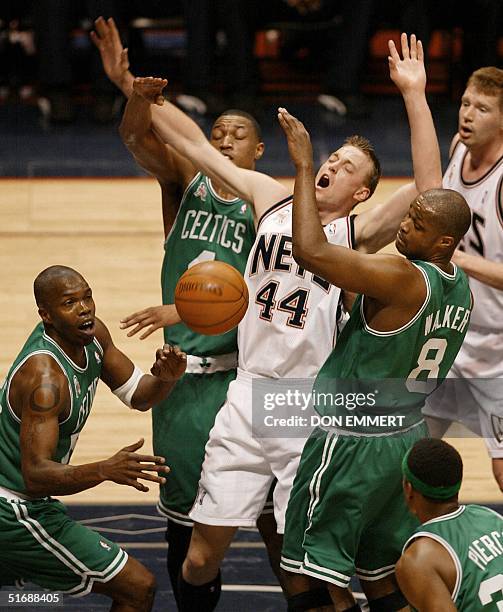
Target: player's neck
{"points": [[75, 352], [222, 192], [430, 511], [327, 216], [480, 159]]}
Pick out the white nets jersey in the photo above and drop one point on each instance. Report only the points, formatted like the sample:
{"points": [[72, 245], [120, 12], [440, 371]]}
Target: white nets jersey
{"points": [[290, 326], [485, 236]]}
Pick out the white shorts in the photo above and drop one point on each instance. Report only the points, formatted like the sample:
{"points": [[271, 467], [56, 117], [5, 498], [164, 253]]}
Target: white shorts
{"points": [[239, 468], [476, 398]]}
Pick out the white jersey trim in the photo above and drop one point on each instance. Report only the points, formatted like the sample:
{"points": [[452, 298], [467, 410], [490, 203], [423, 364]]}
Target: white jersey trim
{"points": [[394, 332], [72, 363], [41, 352], [217, 197], [449, 549], [446, 517], [274, 208]]}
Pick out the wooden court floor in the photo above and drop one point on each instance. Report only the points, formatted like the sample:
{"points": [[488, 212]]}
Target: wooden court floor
{"points": [[111, 231]]}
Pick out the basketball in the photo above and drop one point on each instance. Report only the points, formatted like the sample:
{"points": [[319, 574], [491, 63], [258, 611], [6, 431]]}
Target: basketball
{"points": [[211, 297]]}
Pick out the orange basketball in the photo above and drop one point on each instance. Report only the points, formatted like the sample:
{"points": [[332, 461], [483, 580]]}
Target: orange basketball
{"points": [[211, 297]]}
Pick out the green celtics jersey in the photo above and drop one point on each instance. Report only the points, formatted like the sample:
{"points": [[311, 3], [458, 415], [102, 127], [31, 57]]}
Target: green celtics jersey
{"points": [[376, 382], [82, 383], [207, 227], [473, 537]]}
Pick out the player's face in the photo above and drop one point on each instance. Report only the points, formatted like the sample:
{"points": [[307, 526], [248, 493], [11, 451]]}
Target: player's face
{"points": [[71, 312], [236, 139], [416, 234], [342, 177], [480, 118]]}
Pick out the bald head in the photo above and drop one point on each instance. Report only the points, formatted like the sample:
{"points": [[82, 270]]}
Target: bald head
{"points": [[51, 281], [448, 212]]}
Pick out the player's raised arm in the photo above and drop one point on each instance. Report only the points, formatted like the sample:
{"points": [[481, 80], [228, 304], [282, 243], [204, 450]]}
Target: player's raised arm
{"points": [[377, 226], [184, 135], [375, 275]]}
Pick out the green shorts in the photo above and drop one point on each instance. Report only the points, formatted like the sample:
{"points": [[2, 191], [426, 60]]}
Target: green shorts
{"points": [[347, 513], [40, 543], [181, 425]]}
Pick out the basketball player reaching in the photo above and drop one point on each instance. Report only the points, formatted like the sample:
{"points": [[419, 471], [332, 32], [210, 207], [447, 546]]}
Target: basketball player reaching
{"points": [[346, 514], [202, 221], [290, 326], [454, 560], [476, 170], [44, 404]]}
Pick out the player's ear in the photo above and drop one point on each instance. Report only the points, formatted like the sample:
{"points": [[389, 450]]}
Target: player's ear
{"points": [[259, 150], [44, 315], [361, 194], [446, 242]]}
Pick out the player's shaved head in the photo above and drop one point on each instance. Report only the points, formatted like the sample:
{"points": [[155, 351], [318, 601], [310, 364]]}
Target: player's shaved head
{"points": [[49, 281], [236, 112], [449, 212]]}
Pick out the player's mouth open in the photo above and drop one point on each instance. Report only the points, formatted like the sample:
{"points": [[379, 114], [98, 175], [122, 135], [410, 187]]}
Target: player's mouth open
{"points": [[88, 326], [324, 181]]}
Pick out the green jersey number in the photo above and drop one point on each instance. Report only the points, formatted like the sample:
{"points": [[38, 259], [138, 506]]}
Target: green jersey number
{"points": [[429, 361]]}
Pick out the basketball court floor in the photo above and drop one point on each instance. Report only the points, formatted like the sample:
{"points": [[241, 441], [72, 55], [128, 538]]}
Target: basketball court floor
{"points": [[110, 230]]}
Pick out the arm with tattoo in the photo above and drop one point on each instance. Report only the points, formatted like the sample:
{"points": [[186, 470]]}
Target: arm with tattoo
{"points": [[40, 397]]}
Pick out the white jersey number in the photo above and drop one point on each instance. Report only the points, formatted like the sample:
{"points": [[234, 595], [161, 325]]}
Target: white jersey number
{"points": [[429, 360], [295, 304], [488, 588]]}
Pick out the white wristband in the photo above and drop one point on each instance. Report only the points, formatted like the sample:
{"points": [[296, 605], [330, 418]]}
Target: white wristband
{"points": [[125, 392]]}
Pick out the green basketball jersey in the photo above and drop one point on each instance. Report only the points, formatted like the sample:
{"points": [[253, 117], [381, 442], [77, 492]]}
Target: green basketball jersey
{"points": [[408, 362], [473, 536], [82, 383], [206, 227]]}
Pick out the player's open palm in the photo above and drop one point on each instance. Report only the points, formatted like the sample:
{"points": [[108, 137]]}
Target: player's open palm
{"points": [[299, 141], [127, 467], [407, 72], [150, 88], [113, 55], [170, 363], [150, 319]]}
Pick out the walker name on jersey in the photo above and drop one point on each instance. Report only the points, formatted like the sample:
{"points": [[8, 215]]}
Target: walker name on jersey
{"points": [[273, 252], [486, 548], [86, 404], [454, 319], [219, 229]]}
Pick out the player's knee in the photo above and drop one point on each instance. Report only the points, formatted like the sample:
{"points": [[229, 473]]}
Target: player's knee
{"points": [[142, 587], [198, 559]]}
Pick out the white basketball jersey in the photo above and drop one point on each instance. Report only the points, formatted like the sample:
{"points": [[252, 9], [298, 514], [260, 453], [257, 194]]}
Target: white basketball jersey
{"points": [[290, 326], [485, 236]]}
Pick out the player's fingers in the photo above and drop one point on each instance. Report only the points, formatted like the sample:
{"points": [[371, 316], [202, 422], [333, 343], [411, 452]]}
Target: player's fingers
{"points": [[152, 478], [392, 51], [137, 485], [405, 46], [149, 330], [135, 446], [94, 37], [413, 47], [154, 459], [420, 51], [179, 353]]}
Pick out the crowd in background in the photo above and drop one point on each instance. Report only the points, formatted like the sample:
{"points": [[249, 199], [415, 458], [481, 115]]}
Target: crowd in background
{"points": [[39, 50]]}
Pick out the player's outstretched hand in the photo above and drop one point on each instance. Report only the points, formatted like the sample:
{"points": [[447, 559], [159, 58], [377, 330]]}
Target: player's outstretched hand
{"points": [[299, 142], [150, 88], [170, 363], [127, 467], [113, 55], [152, 318], [407, 72]]}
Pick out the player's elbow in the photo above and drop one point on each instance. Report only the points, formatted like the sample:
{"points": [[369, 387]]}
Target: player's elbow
{"points": [[303, 254], [35, 486]]}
